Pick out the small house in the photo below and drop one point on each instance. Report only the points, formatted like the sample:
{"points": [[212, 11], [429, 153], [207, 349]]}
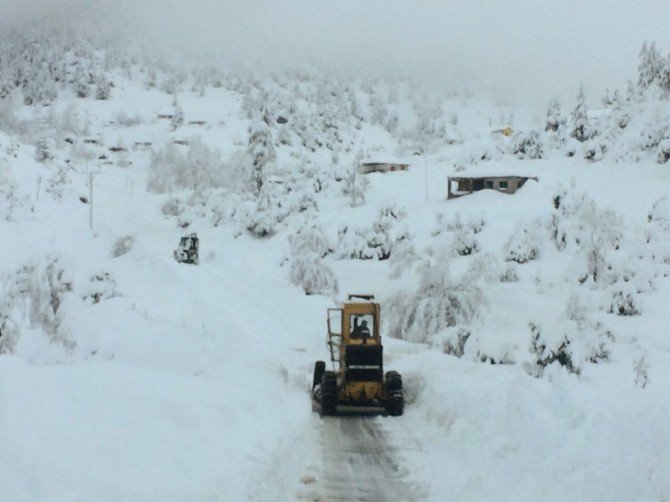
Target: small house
{"points": [[382, 167], [459, 186]]}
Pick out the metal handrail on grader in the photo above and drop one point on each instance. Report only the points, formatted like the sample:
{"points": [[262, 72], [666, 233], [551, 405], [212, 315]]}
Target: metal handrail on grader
{"points": [[357, 382]]}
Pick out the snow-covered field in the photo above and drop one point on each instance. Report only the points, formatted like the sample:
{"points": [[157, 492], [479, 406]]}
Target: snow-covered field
{"points": [[530, 329]]}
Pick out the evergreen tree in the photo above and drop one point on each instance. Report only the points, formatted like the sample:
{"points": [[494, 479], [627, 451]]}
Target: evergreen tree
{"points": [[260, 151], [177, 116], [355, 183], [630, 90], [554, 119], [619, 117], [39, 87], [80, 82], [581, 128], [103, 90], [664, 79], [650, 67], [608, 98]]}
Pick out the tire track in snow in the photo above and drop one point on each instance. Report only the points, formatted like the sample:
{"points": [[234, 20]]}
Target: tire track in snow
{"points": [[359, 463]]}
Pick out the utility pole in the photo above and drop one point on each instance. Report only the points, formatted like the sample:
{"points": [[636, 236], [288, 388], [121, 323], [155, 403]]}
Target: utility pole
{"points": [[37, 195], [11, 203], [425, 174], [90, 201]]}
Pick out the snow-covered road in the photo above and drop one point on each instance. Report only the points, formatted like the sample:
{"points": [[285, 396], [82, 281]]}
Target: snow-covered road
{"points": [[360, 462]]}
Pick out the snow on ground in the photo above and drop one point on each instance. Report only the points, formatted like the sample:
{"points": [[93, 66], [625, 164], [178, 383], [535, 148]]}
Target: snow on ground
{"points": [[192, 382]]}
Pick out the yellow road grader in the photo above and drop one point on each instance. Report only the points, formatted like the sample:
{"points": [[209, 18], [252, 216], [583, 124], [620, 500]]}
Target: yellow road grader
{"points": [[357, 383]]}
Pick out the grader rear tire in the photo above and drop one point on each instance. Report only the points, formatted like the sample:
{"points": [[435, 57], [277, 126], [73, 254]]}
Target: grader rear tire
{"points": [[395, 403], [328, 393]]}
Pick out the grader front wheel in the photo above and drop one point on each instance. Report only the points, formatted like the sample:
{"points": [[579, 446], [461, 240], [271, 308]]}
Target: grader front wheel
{"points": [[328, 393], [319, 369]]}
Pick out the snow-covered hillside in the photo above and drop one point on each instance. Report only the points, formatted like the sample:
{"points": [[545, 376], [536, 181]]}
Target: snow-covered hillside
{"points": [[530, 329]]}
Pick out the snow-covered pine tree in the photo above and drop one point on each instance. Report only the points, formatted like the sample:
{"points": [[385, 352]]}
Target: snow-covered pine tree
{"points": [[355, 183], [643, 71], [523, 245], [269, 211], [388, 230], [619, 117], [260, 151], [42, 153], [554, 119], [104, 88], [581, 127], [664, 79], [650, 67], [177, 115], [81, 82], [39, 88]]}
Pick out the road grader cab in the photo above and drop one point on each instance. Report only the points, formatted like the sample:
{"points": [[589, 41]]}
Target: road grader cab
{"points": [[357, 383]]}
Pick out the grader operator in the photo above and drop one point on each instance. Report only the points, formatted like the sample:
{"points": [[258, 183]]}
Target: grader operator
{"points": [[357, 382]]}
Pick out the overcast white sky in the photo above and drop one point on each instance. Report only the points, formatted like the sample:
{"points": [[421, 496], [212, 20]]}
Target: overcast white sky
{"points": [[525, 49]]}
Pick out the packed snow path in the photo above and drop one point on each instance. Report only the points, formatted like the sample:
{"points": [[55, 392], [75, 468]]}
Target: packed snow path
{"points": [[359, 462]]}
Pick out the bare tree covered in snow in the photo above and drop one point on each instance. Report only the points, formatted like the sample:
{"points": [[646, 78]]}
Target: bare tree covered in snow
{"points": [[439, 302], [34, 296]]}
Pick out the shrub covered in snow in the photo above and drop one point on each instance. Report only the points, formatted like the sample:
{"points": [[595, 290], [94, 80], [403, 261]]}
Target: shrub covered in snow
{"points": [[528, 146], [594, 150], [663, 151], [123, 245], [659, 214], [578, 221], [104, 87], [625, 300], [572, 341], [310, 272], [523, 245], [457, 234], [309, 246], [310, 239], [101, 285], [658, 231], [379, 240], [509, 275]]}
